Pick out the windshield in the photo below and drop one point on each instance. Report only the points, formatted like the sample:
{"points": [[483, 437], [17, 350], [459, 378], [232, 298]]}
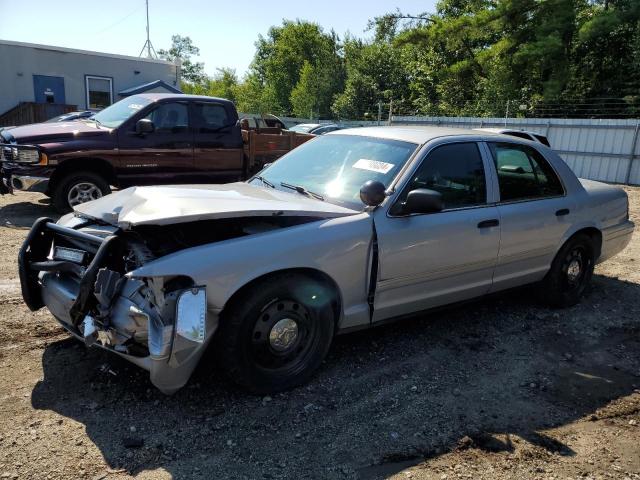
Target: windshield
{"points": [[117, 113], [302, 128], [336, 166]]}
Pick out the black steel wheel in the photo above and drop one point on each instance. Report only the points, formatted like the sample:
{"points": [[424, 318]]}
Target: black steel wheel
{"points": [[276, 333], [570, 272]]}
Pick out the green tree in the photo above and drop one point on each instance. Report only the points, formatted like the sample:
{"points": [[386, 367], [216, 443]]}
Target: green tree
{"points": [[282, 54], [183, 48], [224, 84], [252, 96], [305, 95], [375, 73], [606, 54]]}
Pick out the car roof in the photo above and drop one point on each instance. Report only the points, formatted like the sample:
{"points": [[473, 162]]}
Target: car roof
{"points": [[503, 130], [408, 133], [181, 96], [308, 125]]}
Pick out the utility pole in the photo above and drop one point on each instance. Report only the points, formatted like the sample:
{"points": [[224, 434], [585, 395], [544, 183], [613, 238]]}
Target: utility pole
{"points": [[390, 110], [148, 45], [379, 112]]}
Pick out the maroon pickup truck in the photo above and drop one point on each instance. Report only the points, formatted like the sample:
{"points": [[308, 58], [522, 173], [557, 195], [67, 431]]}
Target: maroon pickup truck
{"points": [[144, 139]]}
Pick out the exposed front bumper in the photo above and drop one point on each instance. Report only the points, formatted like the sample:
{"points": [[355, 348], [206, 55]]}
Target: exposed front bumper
{"points": [[170, 358], [30, 178], [28, 183]]}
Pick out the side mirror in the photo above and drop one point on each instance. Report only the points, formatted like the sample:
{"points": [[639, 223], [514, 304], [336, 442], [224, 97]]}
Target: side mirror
{"points": [[144, 126], [511, 169], [423, 200], [372, 193]]}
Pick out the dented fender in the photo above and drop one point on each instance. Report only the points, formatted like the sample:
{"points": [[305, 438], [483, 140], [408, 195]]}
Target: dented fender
{"points": [[338, 247]]}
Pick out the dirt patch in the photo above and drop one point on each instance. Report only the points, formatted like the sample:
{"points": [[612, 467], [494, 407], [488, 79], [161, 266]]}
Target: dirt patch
{"points": [[500, 388]]}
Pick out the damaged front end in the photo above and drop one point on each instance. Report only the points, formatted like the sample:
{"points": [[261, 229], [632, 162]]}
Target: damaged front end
{"points": [[81, 273]]}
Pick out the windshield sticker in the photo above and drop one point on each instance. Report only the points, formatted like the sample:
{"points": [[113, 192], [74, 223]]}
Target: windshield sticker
{"points": [[373, 165], [135, 106]]}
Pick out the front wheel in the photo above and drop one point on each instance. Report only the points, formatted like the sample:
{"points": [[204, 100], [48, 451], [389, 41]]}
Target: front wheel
{"points": [[570, 272], [275, 335], [78, 188]]}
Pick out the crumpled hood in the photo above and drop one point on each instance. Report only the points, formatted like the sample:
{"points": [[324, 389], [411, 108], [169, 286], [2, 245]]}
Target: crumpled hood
{"points": [[165, 205], [54, 132]]}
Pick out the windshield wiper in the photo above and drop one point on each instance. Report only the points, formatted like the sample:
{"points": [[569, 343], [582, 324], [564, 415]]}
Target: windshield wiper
{"points": [[91, 119], [264, 181], [302, 190]]}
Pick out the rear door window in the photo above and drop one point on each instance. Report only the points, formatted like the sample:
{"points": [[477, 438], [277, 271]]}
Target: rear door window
{"points": [[210, 117], [523, 173]]}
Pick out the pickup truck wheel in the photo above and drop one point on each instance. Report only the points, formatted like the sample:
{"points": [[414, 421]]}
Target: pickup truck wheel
{"points": [[570, 272], [276, 334], [78, 188]]}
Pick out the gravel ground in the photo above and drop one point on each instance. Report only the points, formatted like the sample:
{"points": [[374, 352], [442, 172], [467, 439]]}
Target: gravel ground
{"points": [[500, 388]]}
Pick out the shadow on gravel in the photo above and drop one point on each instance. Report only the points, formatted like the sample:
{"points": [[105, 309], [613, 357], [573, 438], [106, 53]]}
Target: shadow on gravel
{"points": [[23, 214], [386, 399]]}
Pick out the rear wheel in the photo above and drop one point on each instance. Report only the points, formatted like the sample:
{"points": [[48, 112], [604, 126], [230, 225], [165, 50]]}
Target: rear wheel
{"points": [[77, 188], [570, 272], [275, 335]]}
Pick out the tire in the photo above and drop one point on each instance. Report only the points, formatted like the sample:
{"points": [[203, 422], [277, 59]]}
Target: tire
{"points": [[258, 344], [570, 273], [83, 186]]}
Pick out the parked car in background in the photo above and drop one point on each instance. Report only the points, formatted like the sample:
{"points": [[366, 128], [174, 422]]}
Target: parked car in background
{"points": [[533, 136], [68, 117], [144, 139], [347, 231], [315, 128]]}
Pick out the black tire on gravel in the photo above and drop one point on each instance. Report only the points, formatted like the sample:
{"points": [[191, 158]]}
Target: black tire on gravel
{"points": [[570, 273], [60, 194], [247, 343]]}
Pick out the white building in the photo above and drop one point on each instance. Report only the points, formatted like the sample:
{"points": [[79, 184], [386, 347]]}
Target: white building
{"points": [[79, 79]]}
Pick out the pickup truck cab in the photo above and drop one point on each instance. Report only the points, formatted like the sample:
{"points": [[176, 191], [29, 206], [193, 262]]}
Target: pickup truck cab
{"points": [[146, 139]]}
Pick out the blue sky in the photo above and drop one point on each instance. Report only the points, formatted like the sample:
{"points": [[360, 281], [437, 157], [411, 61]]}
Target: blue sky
{"points": [[224, 31]]}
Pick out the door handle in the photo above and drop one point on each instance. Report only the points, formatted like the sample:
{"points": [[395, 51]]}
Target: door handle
{"points": [[494, 222], [562, 212]]}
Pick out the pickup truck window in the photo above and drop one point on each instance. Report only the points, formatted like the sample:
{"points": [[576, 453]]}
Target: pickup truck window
{"points": [[170, 118], [209, 117], [117, 113], [523, 173]]}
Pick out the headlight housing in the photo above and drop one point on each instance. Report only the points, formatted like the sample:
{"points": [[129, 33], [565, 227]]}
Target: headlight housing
{"points": [[29, 154], [191, 314]]}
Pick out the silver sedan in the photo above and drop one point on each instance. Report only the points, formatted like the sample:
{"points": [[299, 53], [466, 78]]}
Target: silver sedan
{"points": [[345, 232]]}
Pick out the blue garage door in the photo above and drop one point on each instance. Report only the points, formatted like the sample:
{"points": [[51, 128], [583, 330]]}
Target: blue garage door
{"points": [[48, 89]]}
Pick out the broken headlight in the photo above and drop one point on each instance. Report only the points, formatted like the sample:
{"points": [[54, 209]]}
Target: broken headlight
{"points": [[191, 314]]}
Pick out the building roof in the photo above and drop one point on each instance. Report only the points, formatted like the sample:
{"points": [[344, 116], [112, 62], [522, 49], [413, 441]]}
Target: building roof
{"points": [[81, 52], [148, 86]]}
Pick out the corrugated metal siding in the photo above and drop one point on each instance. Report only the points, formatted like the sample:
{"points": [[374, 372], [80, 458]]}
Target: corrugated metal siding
{"points": [[594, 149]]}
